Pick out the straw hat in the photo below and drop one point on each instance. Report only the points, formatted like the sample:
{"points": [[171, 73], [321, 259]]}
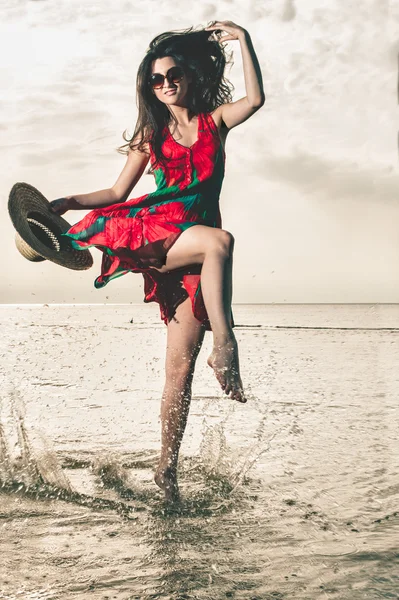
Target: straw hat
{"points": [[39, 230]]}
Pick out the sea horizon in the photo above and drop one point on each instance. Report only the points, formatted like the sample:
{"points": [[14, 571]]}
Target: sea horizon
{"points": [[233, 304]]}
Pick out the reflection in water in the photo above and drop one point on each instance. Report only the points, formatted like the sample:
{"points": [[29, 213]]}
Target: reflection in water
{"points": [[198, 546]]}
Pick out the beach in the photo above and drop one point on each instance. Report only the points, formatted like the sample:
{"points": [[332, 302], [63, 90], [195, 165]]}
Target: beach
{"points": [[293, 495]]}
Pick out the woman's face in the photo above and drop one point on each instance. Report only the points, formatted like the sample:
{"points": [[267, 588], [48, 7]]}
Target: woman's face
{"points": [[170, 93]]}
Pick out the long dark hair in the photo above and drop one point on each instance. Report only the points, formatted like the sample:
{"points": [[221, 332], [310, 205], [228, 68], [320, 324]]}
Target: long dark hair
{"points": [[200, 55]]}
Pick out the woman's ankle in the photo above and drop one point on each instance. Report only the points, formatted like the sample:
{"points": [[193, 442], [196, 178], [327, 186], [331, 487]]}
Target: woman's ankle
{"points": [[168, 465], [223, 338]]}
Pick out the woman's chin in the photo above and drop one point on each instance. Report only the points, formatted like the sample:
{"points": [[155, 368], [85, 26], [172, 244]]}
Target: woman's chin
{"points": [[170, 99], [173, 102]]}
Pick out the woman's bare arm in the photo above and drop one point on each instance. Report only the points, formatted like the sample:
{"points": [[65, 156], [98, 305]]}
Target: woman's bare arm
{"points": [[235, 113], [131, 173]]}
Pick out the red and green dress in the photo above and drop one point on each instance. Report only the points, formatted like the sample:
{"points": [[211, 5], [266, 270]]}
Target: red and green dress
{"points": [[136, 235]]}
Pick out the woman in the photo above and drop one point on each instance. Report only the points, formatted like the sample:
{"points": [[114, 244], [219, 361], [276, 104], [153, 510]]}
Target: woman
{"points": [[173, 236]]}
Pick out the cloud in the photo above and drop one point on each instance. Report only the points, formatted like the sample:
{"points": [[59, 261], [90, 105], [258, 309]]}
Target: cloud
{"points": [[324, 178]]}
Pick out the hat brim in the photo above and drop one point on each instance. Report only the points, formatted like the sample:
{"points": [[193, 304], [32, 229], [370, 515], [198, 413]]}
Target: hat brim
{"points": [[26, 202]]}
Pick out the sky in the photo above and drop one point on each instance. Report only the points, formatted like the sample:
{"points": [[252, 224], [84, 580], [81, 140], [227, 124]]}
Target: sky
{"points": [[310, 190]]}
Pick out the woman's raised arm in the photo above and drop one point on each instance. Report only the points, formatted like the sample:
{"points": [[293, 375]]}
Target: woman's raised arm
{"points": [[235, 113]]}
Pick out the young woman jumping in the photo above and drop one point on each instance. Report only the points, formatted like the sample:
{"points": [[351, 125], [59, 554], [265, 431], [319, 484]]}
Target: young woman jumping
{"points": [[173, 236]]}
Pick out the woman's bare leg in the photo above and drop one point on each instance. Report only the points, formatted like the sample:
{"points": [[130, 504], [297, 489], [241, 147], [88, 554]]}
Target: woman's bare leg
{"points": [[224, 357], [213, 248], [184, 340]]}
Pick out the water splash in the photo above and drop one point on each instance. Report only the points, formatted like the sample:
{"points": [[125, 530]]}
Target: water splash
{"points": [[219, 462], [25, 458], [114, 474], [215, 455], [28, 464]]}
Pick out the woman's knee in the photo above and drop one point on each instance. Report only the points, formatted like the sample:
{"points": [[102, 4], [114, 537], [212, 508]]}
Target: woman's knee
{"points": [[224, 242], [194, 244]]}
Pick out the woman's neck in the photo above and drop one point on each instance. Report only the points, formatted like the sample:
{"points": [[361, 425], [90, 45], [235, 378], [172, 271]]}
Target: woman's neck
{"points": [[182, 114]]}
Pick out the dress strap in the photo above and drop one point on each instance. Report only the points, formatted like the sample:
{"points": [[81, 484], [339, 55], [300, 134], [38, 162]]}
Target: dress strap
{"points": [[210, 121]]}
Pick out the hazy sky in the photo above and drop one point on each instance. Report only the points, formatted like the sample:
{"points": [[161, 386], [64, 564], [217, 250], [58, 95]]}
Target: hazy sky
{"points": [[311, 185]]}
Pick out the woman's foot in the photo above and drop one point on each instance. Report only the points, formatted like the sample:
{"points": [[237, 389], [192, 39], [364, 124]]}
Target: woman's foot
{"points": [[224, 361], [166, 479]]}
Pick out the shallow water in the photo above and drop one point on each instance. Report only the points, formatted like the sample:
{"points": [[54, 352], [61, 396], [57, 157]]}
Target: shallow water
{"points": [[293, 495]]}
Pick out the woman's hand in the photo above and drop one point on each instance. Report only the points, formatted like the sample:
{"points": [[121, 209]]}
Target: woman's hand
{"points": [[60, 206], [234, 32]]}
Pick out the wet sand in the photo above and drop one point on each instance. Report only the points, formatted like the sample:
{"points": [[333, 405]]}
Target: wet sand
{"points": [[293, 495]]}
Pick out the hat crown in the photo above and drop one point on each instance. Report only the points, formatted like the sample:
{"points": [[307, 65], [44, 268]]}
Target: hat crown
{"points": [[26, 250], [43, 233]]}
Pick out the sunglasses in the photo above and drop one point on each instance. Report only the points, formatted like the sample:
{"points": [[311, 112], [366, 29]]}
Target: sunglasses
{"points": [[174, 75]]}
